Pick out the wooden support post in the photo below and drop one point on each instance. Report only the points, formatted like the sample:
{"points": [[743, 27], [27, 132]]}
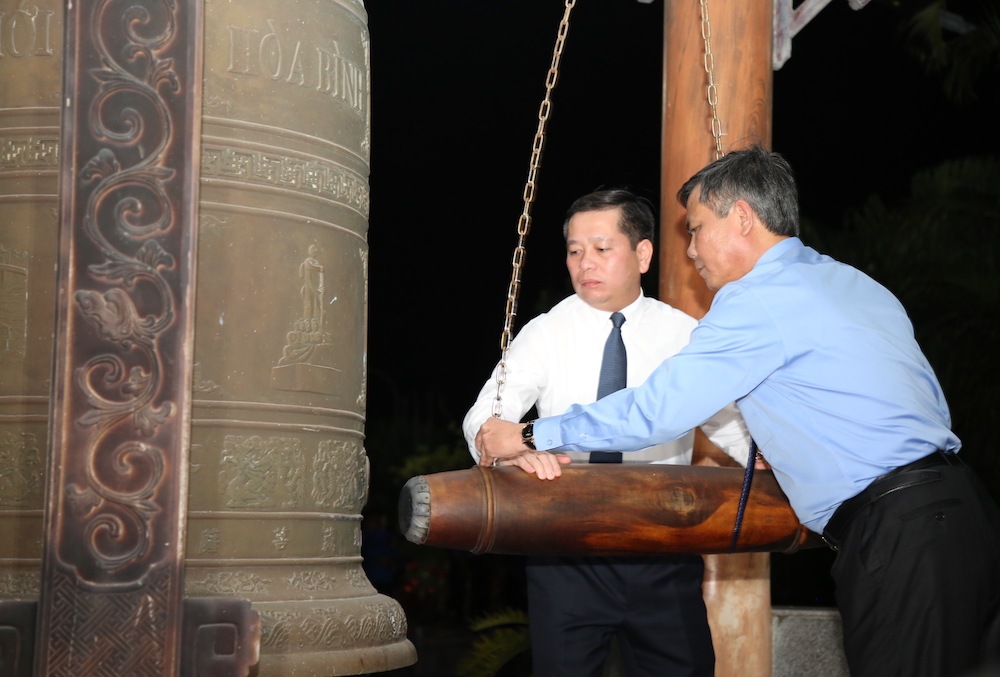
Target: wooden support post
{"points": [[737, 587]]}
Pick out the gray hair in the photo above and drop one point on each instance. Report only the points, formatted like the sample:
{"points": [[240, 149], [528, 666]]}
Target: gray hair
{"points": [[763, 178]]}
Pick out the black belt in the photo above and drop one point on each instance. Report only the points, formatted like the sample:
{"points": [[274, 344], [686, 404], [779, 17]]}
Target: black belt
{"points": [[905, 476]]}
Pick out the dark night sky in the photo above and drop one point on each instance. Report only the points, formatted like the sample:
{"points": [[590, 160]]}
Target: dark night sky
{"points": [[456, 87]]}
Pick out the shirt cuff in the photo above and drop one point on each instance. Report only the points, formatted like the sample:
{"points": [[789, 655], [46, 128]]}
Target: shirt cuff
{"points": [[547, 433]]}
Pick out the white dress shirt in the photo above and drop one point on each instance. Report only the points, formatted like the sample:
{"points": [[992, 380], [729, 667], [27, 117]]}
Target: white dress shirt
{"points": [[555, 361]]}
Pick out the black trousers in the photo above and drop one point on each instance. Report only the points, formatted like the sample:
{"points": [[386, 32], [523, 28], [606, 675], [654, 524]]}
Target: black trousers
{"points": [[918, 581], [653, 605]]}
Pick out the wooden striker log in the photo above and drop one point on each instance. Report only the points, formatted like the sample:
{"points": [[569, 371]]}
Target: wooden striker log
{"points": [[615, 510]]}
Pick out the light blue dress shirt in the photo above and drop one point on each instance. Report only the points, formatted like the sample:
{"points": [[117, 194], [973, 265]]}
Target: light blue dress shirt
{"points": [[821, 361]]}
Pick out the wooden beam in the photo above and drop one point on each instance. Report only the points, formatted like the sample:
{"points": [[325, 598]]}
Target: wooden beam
{"points": [[739, 36]]}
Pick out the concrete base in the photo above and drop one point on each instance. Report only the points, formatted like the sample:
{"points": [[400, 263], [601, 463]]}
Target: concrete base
{"points": [[807, 642]]}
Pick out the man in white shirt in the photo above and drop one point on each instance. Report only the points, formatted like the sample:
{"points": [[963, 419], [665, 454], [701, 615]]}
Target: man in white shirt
{"points": [[576, 605]]}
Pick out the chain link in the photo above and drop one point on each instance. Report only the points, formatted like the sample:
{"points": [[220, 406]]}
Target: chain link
{"points": [[524, 222], [713, 92]]}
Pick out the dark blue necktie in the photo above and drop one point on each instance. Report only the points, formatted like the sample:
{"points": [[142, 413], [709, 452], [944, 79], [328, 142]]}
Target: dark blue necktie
{"points": [[614, 367]]}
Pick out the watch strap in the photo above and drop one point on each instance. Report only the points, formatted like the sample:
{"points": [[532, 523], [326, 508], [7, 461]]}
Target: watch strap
{"points": [[528, 434]]}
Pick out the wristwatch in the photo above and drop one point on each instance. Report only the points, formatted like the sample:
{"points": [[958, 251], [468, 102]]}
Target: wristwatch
{"points": [[528, 434]]}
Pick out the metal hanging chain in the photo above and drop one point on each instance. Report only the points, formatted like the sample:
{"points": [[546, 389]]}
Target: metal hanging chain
{"points": [[524, 222], [713, 100], [713, 92]]}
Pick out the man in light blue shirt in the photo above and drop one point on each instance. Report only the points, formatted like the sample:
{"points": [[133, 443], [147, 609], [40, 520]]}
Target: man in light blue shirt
{"points": [[824, 366]]}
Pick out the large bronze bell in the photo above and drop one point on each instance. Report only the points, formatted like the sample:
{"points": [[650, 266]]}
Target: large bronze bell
{"points": [[278, 473]]}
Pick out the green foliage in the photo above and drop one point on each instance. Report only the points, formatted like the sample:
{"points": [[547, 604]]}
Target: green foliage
{"points": [[449, 453], [503, 639], [418, 438], [958, 41]]}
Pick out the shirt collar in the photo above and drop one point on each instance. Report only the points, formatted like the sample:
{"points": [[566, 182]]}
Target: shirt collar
{"points": [[631, 311], [779, 249]]}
